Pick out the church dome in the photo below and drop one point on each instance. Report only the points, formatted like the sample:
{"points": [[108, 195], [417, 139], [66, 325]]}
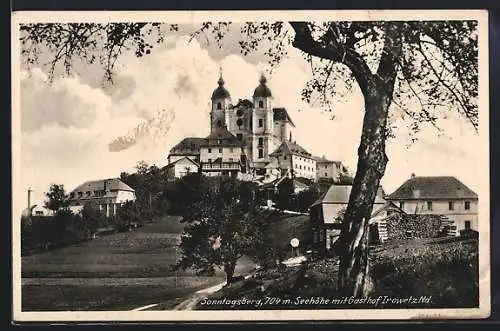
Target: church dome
{"points": [[262, 90], [220, 92]]}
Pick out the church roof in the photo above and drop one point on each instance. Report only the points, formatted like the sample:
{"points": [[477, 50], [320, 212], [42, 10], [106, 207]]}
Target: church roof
{"points": [[245, 103], [280, 114], [262, 90], [288, 147], [220, 92]]}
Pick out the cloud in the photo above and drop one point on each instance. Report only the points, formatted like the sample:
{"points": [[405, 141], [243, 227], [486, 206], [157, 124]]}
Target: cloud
{"points": [[76, 130]]}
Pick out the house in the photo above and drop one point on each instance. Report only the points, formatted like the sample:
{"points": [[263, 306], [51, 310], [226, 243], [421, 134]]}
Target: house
{"points": [[108, 194], [271, 189], [181, 167], [326, 168], [296, 159], [327, 212], [187, 147], [439, 195], [221, 154]]}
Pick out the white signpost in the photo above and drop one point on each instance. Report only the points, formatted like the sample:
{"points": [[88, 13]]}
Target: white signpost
{"points": [[294, 243]]}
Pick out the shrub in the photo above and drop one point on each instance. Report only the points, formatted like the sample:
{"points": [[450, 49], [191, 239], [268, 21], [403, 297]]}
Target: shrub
{"points": [[446, 271]]}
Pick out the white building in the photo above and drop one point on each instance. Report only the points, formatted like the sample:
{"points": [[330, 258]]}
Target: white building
{"points": [[181, 167], [440, 195], [329, 169], [108, 194]]}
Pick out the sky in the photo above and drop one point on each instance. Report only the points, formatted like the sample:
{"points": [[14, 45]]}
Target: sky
{"points": [[70, 127]]}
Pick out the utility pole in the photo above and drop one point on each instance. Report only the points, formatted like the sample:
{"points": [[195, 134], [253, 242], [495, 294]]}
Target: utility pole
{"points": [[29, 203]]}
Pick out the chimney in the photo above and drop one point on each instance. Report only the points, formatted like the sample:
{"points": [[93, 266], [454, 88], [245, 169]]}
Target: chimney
{"points": [[412, 175]]}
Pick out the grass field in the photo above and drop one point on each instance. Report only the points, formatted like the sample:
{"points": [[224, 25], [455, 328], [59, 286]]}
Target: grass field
{"points": [[117, 272]]}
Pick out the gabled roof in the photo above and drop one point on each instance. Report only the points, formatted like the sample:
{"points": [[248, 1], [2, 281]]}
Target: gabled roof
{"points": [[170, 165], [98, 185], [288, 147], [433, 187], [339, 194], [389, 205], [281, 114], [323, 159], [221, 137], [188, 144]]}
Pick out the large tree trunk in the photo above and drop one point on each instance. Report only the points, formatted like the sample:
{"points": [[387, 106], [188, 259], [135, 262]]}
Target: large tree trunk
{"points": [[372, 160], [353, 273], [377, 90]]}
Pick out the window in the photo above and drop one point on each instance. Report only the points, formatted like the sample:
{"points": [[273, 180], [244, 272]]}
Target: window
{"points": [[220, 149], [451, 205], [231, 149], [219, 105], [429, 205], [326, 174], [401, 205], [261, 153], [230, 159], [261, 141], [261, 123], [326, 167], [239, 136], [467, 225], [209, 160], [284, 157], [467, 205], [261, 104], [210, 150]]}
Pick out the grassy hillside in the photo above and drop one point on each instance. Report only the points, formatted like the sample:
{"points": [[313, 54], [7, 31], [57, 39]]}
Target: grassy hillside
{"points": [[116, 272]]}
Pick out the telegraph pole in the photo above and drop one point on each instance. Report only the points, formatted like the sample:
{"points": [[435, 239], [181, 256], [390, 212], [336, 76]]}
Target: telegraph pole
{"points": [[29, 203]]}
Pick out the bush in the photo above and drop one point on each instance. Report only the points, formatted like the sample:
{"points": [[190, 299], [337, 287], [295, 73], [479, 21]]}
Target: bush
{"points": [[449, 272]]}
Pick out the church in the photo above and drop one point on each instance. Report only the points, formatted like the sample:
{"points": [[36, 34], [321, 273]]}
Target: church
{"points": [[251, 140]]}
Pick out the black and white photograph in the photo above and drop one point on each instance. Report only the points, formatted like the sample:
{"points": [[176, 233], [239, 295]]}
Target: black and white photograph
{"points": [[250, 165]]}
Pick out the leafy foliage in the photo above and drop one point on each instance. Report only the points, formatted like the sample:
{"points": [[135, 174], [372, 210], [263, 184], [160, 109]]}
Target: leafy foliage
{"points": [[221, 226], [72, 41], [56, 198]]}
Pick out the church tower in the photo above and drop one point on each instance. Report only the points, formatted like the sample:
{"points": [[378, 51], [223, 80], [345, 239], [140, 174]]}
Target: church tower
{"points": [[262, 128], [221, 101]]}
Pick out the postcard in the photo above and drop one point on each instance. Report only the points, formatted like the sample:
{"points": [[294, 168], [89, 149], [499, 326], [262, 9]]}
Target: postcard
{"points": [[250, 165]]}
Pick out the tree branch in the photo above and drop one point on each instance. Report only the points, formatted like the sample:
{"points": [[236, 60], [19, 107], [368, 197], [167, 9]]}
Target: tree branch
{"points": [[463, 104], [333, 52]]}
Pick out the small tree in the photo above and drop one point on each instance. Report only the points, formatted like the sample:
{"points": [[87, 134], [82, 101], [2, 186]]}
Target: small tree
{"points": [[56, 198], [127, 214], [92, 218], [222, 227], [284, 195]]}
